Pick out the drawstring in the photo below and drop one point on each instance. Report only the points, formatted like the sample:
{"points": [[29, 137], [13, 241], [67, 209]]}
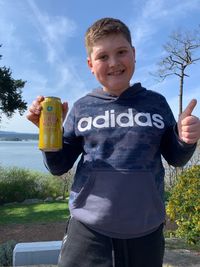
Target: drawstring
{"points": [[120, 253]]}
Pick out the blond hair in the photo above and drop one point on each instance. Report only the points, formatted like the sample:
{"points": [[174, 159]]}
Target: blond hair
{"points": [[104, 27]]}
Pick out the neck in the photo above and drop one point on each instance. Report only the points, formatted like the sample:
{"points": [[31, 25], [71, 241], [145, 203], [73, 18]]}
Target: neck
{"points": [[117, 92]]}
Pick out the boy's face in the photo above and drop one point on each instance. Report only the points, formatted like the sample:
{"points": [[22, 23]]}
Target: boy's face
{"points": [[112, 61]]}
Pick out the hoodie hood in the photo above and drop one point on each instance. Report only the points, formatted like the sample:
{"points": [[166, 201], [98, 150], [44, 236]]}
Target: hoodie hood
{"points": [[130, 92]]}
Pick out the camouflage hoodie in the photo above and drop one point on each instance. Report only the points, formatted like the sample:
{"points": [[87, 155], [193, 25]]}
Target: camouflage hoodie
{"points": [[119, 140]]}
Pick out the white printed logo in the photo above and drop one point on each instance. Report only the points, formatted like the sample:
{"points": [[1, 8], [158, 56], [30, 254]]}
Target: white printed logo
{"points": [[125, 119]]}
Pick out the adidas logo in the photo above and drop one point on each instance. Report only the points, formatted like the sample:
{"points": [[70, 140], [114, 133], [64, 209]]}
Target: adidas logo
{"points": [[125, 119]]}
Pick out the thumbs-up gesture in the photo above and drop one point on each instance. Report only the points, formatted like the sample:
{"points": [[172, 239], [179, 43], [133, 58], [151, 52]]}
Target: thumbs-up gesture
{"points": [[189, 125]]}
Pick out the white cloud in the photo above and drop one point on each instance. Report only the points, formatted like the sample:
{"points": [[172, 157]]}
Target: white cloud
{"points": [[54, 31], [153, 9], [158, 15], [36, 82], [142, 26], [7, 32], [58, 27], [65, 76], [10, 42]]}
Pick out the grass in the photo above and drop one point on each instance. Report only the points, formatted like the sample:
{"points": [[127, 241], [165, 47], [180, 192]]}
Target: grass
{"points": [[34, 213], [58, 212]]}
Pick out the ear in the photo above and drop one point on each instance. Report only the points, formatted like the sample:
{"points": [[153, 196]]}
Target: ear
{"points": [[133, 48], [89, 62]]}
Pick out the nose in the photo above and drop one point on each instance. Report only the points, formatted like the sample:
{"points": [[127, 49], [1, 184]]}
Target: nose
{"points": [[113, 61]]}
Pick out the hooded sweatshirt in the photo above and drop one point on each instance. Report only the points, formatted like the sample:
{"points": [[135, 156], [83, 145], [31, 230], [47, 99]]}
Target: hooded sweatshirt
{"points": [[119, 182]]}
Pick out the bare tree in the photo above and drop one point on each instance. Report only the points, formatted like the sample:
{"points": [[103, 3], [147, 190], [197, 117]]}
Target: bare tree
{"points": [[68, 179], [181, 52]]}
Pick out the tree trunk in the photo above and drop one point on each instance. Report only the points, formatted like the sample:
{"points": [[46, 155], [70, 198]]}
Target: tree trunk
{"points": [[181, 92]]}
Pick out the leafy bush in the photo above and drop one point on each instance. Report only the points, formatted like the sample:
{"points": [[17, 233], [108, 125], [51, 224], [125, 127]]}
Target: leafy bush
{"points": [[18, 184], [167, 195], [15, 185], [6, 253], [184, 205]]}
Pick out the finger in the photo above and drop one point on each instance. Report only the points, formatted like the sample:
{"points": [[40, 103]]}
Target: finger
{"points": [[33, 118], [189, 129], [190, 120], [187, 132], [35, 108], [189, 109], [40, 98]]}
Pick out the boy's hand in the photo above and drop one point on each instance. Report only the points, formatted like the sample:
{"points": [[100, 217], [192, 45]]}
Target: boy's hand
{"points": [[189, 125], [33, 114], [34, 110]]}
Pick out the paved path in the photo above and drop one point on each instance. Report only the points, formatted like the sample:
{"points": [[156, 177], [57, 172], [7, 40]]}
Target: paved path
{"points": [[173, 258], [181, 258]]}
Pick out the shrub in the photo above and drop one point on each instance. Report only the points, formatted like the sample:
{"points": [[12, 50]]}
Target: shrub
{"points": [[167, 195], [6, 253], [15, 185], [18, 184], [184, 205], [46, 185]]}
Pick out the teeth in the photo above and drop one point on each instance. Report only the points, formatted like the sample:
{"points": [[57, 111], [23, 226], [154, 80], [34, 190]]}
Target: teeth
{"points": [[115, 73]]}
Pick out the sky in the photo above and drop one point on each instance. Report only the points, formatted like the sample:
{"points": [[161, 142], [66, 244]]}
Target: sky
{"points": [[43, 44]]}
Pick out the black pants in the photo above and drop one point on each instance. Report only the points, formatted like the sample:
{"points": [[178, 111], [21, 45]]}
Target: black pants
{"points": [[83, 247]]}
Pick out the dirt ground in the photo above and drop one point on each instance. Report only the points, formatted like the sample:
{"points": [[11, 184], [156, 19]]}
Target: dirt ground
{"points": [[40, 231], [32, 232], [55, 231]]}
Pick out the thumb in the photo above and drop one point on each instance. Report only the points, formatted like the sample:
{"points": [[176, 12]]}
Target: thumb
{"points": [[188, 110]]}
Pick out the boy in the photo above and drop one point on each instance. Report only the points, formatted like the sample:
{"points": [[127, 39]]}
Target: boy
{"points": [[120, 131]]}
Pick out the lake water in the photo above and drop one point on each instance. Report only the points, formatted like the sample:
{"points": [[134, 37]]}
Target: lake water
{"points": [[23, 154]]}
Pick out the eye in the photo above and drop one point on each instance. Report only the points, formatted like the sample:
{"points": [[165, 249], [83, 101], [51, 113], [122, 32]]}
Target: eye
{"points": [[122, 52], [102, 57]]}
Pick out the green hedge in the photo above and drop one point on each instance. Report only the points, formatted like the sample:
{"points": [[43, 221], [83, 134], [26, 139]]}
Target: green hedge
{"points": [[17, 184], [6, 253], [184, 205]]}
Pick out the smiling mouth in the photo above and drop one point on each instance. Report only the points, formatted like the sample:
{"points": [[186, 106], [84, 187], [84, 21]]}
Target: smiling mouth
{"points": [[116, 73]]}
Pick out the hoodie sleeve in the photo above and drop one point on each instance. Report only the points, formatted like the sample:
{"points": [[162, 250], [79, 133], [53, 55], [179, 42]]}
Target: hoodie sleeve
{"points": [[62, 161], [176, 152]]}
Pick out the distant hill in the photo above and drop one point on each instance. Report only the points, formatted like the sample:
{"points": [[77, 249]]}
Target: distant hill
{"points": [[15, 136]]}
